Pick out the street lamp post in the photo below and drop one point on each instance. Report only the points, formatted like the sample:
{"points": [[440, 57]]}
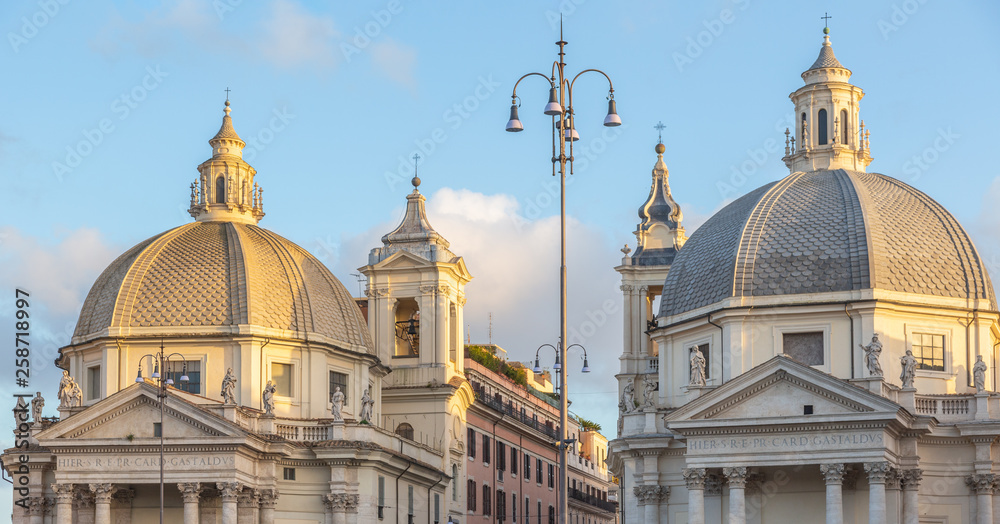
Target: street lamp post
{"points": [[161, 361], [563, 130]]}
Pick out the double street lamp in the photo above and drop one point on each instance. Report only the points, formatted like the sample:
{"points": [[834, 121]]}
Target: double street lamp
{"points": [[160, 361], [560, 108]]}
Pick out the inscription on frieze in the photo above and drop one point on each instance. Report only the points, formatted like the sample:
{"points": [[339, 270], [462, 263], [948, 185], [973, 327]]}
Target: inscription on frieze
{"points": [[139, 463], [783, 443]]}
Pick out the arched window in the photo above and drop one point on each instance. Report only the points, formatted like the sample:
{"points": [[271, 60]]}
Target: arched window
{"points": [[405, 430], [843, 127], [821, 131], [407, 328], [220, 190]]}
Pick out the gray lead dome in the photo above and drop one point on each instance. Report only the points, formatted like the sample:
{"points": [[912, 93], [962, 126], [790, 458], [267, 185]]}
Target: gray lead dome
{"points": [[826, 231]]}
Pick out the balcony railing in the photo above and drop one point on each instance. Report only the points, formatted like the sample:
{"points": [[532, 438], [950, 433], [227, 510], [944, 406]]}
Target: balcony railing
{"points": [[592, 500], [508, 410]]}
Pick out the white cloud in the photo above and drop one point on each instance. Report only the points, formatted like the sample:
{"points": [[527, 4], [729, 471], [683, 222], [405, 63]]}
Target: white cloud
{"points": [[515, 265], [294, 37], [396, 61]]}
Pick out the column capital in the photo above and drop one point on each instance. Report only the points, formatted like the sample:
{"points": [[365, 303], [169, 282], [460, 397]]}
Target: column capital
{"points": [[36, 506], [651, 494], [754, 483], [877, 471], [123, 497], [981, 483], [230, 490], [695, 477], [833, 473], [83, 499], [910, 478], [248, 498], [102, 492], [63, 492], [268, 498], [737, 476], [190, 491], [713, 485]]}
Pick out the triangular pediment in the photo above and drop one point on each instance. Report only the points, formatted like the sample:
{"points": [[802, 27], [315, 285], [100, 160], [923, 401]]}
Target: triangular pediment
{"points": [[780, 389], [131, 413], [403, 258]]}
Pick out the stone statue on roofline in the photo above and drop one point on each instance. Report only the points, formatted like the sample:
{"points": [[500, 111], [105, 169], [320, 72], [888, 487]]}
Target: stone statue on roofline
{"points": [[697, 368], [70, 395], [627, 403], [909, 372], [872, 353], [229, 387], [979, 374], [37, 404], [367, 404], [338, 405], [268, 398]]}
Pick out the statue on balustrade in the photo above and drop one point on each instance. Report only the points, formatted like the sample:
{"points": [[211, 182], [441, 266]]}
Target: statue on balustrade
{"points": [[872, 353], [979, 374], [909, 372]]}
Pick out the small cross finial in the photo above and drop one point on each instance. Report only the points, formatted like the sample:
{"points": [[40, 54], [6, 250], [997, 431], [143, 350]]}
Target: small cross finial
{"points": [[227, 94], [416, 179], [826, 20], [660, 127]]}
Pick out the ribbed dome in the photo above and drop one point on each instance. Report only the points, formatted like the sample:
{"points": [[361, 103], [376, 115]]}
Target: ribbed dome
{"points": [[222, 277], [827, 231]]}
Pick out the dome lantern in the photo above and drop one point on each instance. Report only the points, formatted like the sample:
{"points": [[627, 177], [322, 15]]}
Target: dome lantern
{"points": [[225, 190]]}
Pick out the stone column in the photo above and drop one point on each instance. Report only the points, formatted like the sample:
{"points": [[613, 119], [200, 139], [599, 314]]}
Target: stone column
{"points": [[121, 506], [102, 502], [695, 479], [328, 502], [268, 500], [248, 506], [230, 493], [877, 473], [834, 476], [36, 510], [338, 507], [737, 478], [64, 503], [190, 492], [909, 481], [353, 502], [982, 485], [649, 497]]}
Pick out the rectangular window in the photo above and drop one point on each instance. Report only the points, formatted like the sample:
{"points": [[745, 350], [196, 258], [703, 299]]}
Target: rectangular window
{"points": [[281, 374], [157, 429], [513, 460], [552, 476], [94, 383], [513, 508], [501, 505], [527, 509], [527, 466], [501, 456], [929, 351], [409, 499], [538, 471], [193, 370], [806, 348], [338, 380], [552, 515], [486, 449], [381, 495], [472, 443], [539, 512], [470, 502], [437, 508], [289, 474], [487, 495]]}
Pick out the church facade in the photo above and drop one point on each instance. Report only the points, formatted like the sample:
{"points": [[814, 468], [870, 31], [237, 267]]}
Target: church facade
{"points": [[282, 403], [823, 350]]}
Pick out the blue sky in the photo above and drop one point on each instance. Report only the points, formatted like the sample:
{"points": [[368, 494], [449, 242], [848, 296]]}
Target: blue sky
{"points": [[334, 98]]}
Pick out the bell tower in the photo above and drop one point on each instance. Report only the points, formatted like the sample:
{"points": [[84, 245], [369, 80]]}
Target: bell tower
{"points": [[828, 132], [659, 236], [416, 295]]}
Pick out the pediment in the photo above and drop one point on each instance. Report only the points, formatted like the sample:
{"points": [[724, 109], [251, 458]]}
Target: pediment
{"points": [[403, 258], [780, 389], [131, 413]]}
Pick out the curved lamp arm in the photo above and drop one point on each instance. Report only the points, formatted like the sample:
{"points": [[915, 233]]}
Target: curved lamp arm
{"points": [[538, 367], [586, 366]]}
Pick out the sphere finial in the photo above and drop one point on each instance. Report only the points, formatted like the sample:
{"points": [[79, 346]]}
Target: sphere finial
{"points": [[826, 30], [660, 148]]}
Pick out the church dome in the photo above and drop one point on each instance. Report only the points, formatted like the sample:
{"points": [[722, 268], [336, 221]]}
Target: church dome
{"points": [[827, 231], [222, 277]]}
